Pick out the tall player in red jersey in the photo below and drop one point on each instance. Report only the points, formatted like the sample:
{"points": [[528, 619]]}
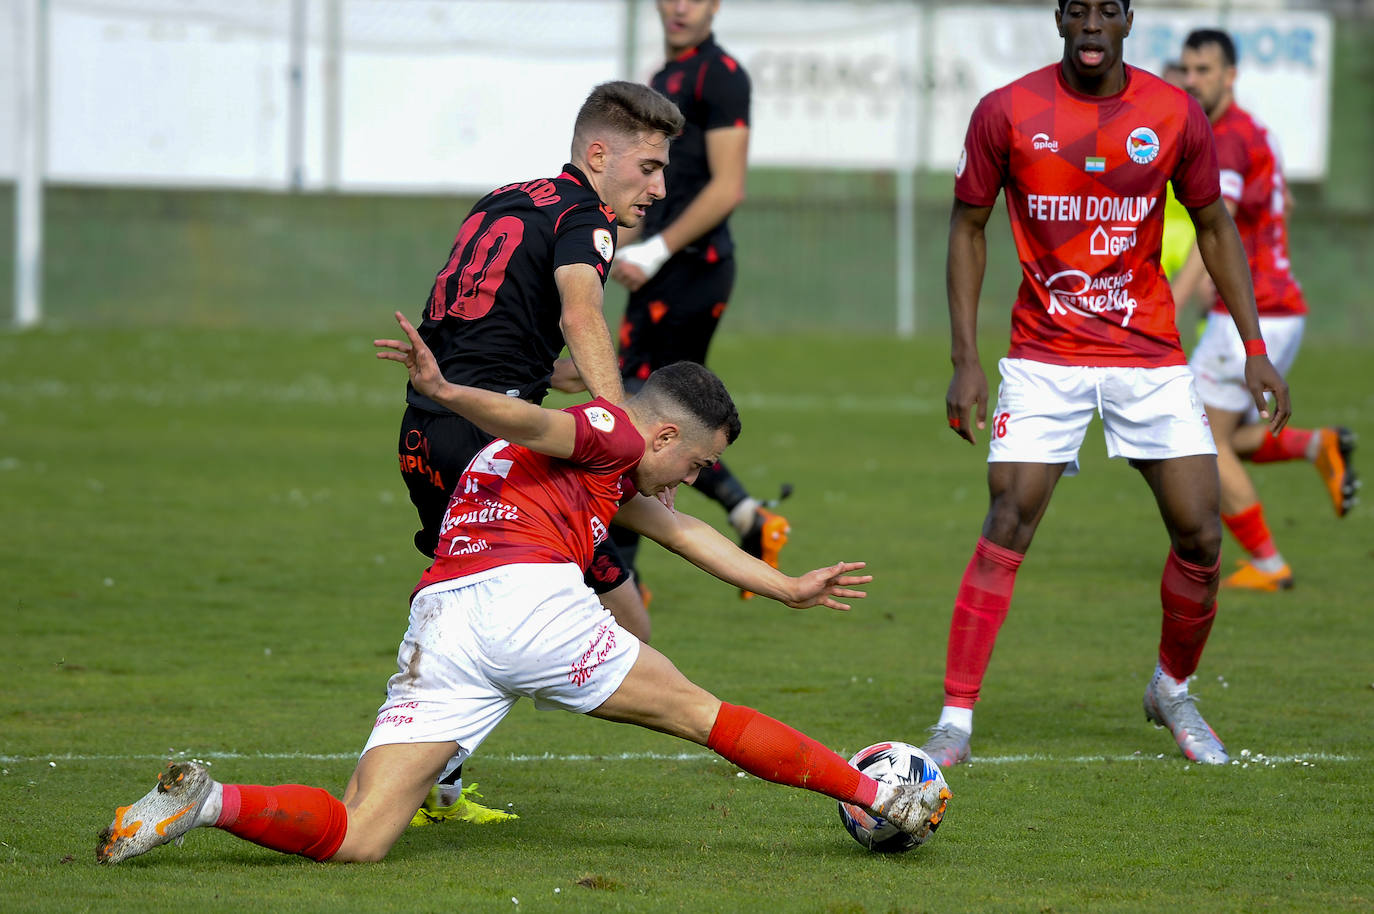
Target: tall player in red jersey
{"points": [[504, 613], [1083, 149], [1256, 195]]}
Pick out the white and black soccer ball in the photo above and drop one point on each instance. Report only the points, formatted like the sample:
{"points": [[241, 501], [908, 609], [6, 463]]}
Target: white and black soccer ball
{"points": [[888, 763]]}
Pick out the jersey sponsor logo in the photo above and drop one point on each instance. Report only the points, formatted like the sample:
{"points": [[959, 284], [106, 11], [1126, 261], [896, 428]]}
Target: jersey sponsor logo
{"points": [[961, 164], [1082, 208], [1043, 141], [1094, 164], [495, 511], [1120, 239], [1075, 292], [601, 239], [600, 418], [1142, 145], [466, 545], [598, 530]]}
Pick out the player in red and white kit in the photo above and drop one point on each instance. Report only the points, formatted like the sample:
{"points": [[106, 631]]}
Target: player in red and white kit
{"points": [[1083, 149], [504, 613], [1256, 195]]}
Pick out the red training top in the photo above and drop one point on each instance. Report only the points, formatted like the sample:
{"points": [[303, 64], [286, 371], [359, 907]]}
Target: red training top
{"points": [[514, 505], [1252, 179], [1085, 180]]}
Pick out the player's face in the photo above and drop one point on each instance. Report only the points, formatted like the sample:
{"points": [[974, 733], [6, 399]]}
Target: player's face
{"points": [[634, 176], [678, 460], [1093, 31], [686, 23], [1207, 77]]}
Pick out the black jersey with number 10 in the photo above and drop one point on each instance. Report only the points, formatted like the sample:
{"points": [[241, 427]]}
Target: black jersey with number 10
{"points": [[492, 316]]}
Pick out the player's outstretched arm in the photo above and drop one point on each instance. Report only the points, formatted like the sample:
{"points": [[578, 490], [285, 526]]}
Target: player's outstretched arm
{"points": [[548, 431], [967, 398], [702, 545], [1222, 252]]}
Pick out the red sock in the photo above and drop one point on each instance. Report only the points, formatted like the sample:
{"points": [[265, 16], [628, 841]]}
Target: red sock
{"points": [[979, 610], [769, 749], [1291, 444], [1250, 530], [289, 818], [1188, 593]]}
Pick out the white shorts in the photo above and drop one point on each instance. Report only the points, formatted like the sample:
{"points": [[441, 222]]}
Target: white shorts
{"points": [[1218, 362], [1043, 412], [475, 645]]}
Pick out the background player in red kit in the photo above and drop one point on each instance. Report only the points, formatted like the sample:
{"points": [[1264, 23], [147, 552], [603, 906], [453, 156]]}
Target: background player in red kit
{"points": [[680, 268], [1256, 195], [1083, 149], [504, 613], [525, 275]]}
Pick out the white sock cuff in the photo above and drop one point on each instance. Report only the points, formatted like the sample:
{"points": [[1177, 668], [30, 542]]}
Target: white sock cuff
{"points": [[742, 515], [958, 717]]}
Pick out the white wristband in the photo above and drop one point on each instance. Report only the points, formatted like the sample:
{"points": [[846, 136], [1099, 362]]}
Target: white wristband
{"points": [[648, 255]]}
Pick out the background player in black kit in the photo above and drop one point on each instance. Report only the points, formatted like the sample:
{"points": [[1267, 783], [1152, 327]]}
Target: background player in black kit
{"points": [[681, 267], [525, 275]]}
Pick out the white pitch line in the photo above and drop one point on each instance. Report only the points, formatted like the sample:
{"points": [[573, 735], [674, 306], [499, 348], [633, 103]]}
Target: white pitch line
{"points": [[1254, 759]]}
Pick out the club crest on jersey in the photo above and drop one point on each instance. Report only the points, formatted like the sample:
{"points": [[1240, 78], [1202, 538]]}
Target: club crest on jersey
{"points": [[1142, 145], [601, 238], [600, 418]]}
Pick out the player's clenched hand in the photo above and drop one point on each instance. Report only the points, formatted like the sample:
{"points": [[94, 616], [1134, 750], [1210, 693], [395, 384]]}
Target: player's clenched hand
{"points": [[425, 376], [968, 390], [1262, 377], [822, 586], [628, 275]]}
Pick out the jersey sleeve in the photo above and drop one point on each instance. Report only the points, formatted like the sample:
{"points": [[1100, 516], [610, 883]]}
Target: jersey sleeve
{"points": [[585, 234], [725, 92], [1195, 179], [606, 442], [982, 168]]}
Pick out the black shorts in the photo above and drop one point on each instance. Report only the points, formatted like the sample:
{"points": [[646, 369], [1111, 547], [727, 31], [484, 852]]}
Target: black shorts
{"points": [[672, 317], [434, 449]]}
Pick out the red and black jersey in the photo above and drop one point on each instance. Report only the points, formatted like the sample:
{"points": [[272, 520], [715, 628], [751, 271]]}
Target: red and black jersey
{"points": [[514, 505], [1085, 178], [1252, 179], [492, 318], [711, 90]]}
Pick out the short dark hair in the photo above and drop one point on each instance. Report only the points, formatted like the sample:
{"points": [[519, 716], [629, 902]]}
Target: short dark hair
{"points": [[1198, 38], [1125, 4], [627, 108], [686, 387]]}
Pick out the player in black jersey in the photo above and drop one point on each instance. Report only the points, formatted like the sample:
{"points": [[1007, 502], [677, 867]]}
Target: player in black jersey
{"points": [[680, 267], [525, 275]]}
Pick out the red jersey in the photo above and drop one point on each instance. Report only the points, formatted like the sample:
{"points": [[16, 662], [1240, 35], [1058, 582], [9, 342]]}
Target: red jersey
{"points": [[1085, 179], [1252, 179], [514, 505]]}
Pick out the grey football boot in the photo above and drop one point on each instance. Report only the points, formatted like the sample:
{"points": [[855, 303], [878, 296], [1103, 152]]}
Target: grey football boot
{"points": [[947, 745], [914, 808], [1198, 741], [165, 814]]}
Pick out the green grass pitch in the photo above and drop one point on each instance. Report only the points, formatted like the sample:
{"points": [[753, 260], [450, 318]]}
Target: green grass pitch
{"points": [[206, 551]]}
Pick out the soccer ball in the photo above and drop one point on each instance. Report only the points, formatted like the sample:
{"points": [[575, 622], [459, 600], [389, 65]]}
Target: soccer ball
{"points": [[890, 763]]}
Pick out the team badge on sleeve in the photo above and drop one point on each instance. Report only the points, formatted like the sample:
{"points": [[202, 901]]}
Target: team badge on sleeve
{"points": [[1142, 145], [962, 163], [600, 418], [601, 238]]}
